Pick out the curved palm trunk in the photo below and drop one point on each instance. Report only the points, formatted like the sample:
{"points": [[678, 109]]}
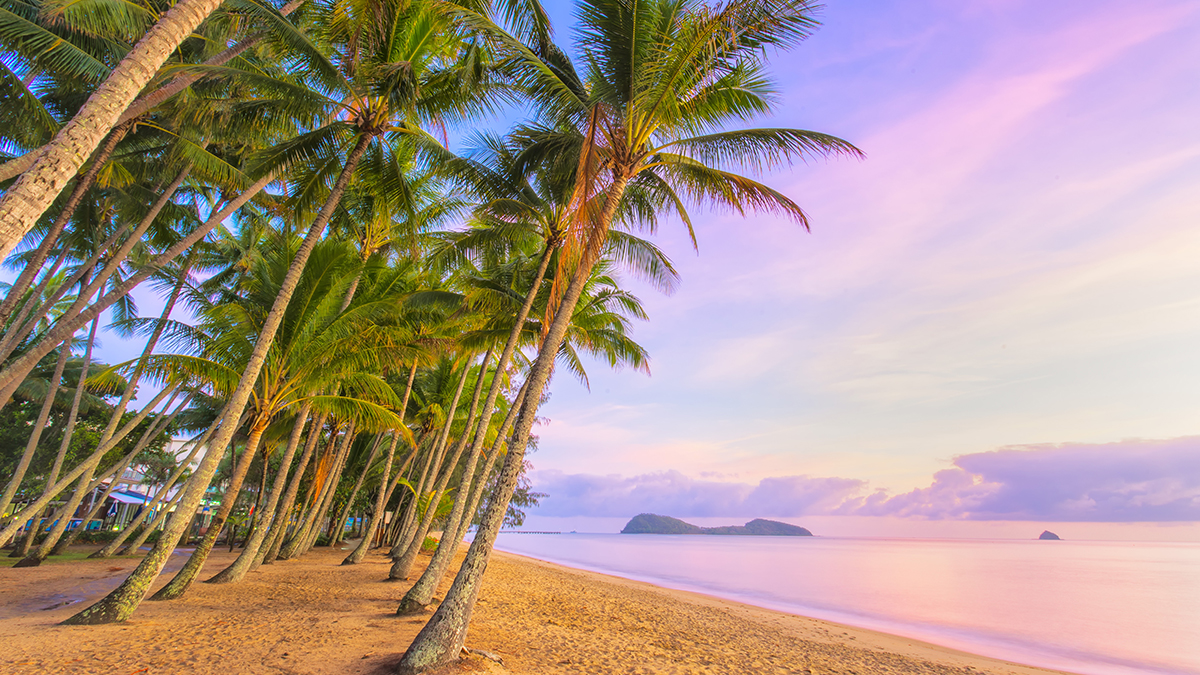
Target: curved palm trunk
{"points": [[121, 603], [28, 198], [298, 544], [147, 102], [338, 527], [280, 526], [184, 578], [237, 571], [385, 491], [64, 519], [36, 435], [19, 368], [402, 565], [403, 568], [85, 182], [443, 637], [330, 492], [421, 593]]}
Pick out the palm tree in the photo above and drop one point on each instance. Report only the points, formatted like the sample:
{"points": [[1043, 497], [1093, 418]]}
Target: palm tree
{"points": [[663, 78]]}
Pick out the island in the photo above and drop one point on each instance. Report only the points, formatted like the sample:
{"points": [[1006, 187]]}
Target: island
{"points": [[650, 523], [1047, 535]]}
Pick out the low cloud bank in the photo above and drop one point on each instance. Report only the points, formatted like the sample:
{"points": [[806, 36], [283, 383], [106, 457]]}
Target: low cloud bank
{"points": [[1130, 481]]}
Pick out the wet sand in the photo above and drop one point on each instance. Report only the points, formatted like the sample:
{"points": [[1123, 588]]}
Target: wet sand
{"points": [[313, 616]]}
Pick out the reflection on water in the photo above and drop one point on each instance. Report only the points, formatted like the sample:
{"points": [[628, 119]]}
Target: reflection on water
{"points": [[1100, 608]]}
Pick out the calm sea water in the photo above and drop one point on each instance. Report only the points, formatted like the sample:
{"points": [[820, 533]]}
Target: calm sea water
{"points": [[1098, 608]]}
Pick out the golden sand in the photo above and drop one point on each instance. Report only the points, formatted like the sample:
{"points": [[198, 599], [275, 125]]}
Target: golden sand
{"points": [[313, 616]]}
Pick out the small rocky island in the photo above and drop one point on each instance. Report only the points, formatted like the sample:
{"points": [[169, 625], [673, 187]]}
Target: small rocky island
{"points": [[1047, 535], [649, 523]]}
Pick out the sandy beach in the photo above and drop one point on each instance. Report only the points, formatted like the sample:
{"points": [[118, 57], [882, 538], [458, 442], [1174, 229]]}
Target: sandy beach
{"points": [[312, 616]]}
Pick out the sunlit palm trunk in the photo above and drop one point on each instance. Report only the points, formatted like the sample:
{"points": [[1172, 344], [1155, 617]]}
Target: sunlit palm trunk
{"points": [[330, 491], [64, 519], [121, 603], [85, 182], [334, 454], [280, 526], [33, 192], [338, 528], [403, 564], [421, 593], [19, 368], [443, 637], [385, 483], [237, 571], [184, 578]]}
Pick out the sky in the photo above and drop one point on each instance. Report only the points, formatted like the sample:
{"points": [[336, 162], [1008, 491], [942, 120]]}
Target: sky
{"points": [[992, 327], [994, 321]]}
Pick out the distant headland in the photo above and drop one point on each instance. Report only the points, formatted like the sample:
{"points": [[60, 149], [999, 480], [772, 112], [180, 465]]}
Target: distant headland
{"points": [[649, 523], [1049, 536]]}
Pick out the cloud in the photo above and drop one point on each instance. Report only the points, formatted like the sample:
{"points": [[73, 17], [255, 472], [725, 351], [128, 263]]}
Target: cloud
{"points": [[1130, 481], [672, 493]]}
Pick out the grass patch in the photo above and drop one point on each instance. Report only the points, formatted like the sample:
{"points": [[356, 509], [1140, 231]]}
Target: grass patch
{"points": [[69, 556]]}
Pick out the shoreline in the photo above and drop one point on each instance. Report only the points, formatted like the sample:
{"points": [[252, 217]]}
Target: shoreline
{"points": [[312, 616]]}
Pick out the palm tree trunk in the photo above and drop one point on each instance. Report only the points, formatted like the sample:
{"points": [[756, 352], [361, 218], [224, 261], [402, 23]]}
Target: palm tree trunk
{"points": [[330, 492], [148, 102], [36, 435], [421, 593], [237, 571], [402, 568], [297, 545], [85, 182], [28, 198], [444, 635], [357, 554], [280, 526], [402, 561], [183, 580], [338, 527], [121, 603], [19, 368], [465, 506]]}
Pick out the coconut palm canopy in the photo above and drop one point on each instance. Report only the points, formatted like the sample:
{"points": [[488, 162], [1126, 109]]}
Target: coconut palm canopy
{"points": [[358, 318]]}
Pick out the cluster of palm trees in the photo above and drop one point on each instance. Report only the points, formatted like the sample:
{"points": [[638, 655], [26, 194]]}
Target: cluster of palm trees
{"points": [[358, 318]]}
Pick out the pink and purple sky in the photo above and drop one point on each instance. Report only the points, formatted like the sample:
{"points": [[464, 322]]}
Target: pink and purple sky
{"points": [[993, 327], [994, 324]]}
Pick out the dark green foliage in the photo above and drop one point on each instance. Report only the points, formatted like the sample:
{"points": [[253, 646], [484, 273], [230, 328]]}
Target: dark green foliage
{"points": [[649, 523]]}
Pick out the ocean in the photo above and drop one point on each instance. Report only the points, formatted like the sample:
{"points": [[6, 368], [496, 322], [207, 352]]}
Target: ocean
{"points": [[1090, 607]]}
